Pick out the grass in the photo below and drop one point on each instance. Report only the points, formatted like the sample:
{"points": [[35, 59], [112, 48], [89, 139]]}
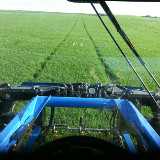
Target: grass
{"points": [[56, 47], [70, 48], [144, 35]]}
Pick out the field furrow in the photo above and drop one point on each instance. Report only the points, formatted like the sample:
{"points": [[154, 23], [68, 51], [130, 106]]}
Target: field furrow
{"points": [[75, 61], [38, 71], [108, 71], [27, 40], [144, 40]]}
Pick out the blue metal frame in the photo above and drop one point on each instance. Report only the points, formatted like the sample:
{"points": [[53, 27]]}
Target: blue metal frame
{"points": [[129, 143], [131, 87], [130, 113], [32, 139]]}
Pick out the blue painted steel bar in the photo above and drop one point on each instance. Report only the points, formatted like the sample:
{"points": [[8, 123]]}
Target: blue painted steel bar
{"points": [[20, 122], [32, 138], [34, 107], [129, 143], [132, 114], [15, 136], [84, 102], [130, 87], [127, 109]]}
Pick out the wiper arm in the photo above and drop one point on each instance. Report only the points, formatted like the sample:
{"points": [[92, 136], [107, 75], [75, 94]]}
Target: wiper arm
{"points": [[124, 36]]}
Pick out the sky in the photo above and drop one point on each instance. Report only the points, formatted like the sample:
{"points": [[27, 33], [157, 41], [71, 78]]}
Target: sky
{"points": [[118, 8]]}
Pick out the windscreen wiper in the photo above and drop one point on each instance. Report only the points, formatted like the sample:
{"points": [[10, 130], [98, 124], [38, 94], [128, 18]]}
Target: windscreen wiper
{"points": [[118, 28], [124, 36]]}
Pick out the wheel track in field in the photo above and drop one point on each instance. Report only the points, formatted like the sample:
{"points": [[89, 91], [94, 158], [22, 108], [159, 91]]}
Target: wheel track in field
{"points": [[38, 71], [146, 27], [107, 69]]}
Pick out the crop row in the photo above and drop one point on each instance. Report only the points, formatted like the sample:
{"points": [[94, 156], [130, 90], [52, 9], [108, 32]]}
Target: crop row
{"points": [[26, 40], [145, 41]]}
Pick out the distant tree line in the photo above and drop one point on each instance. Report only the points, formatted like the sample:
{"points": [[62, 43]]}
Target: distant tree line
{"points": [[150, 16]]}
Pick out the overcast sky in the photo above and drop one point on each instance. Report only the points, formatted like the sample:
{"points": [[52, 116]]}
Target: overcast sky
{"points": [[122, 8]]}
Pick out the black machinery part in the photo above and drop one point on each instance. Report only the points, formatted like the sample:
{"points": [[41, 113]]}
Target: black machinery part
{"points": [[95, 1], [81, 147]]}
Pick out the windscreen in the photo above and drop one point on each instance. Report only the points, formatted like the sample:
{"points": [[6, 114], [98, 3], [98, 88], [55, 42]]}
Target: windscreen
{"points": [[48, 43]]}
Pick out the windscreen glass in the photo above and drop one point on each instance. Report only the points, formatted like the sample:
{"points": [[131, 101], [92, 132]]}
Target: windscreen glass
{"points": [[64, 42]]}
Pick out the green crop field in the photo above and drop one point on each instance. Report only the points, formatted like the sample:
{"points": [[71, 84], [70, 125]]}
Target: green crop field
{"points": [[70, 48], [56, 47]]}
